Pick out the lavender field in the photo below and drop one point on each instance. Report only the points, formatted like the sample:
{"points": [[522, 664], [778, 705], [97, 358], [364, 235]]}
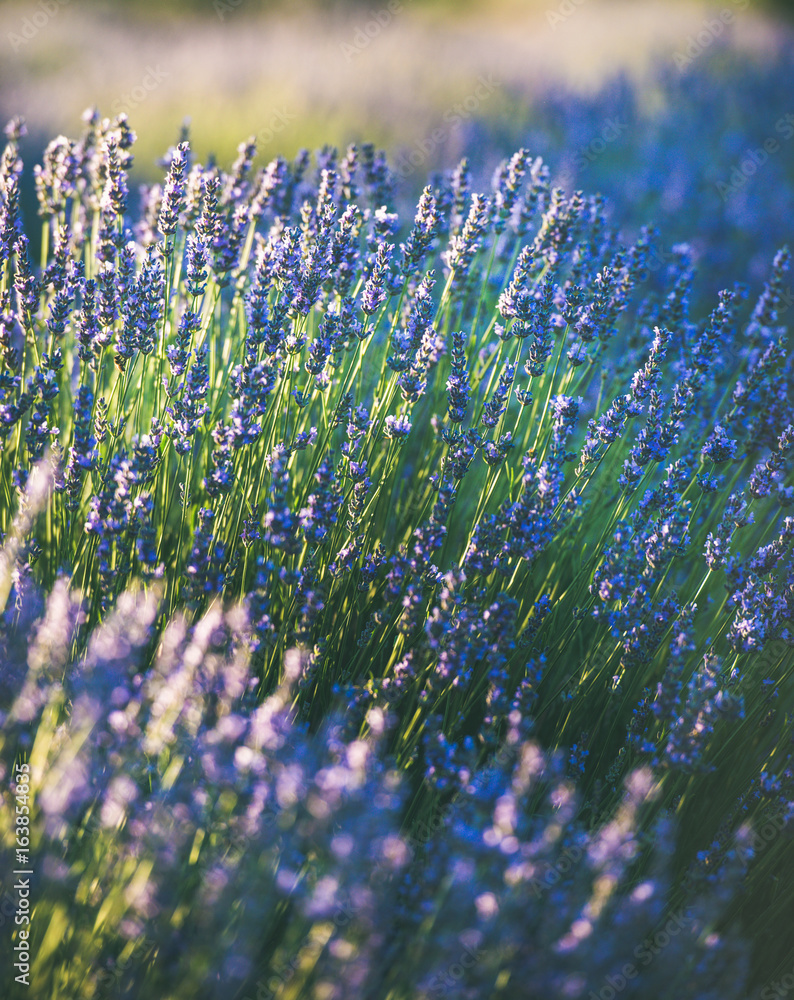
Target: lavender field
{"points": [[397, 530]]}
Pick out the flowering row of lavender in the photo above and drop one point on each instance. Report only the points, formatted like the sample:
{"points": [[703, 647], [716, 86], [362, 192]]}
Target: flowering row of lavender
{"points": [[396, 605], [689, 160]]}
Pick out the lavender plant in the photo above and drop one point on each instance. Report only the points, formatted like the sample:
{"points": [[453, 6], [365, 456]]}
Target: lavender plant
{"points": [[315, 509], [192, 840]]}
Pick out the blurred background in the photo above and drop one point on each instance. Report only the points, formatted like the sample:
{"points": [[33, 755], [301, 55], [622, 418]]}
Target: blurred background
{"points": [[653, 102]]}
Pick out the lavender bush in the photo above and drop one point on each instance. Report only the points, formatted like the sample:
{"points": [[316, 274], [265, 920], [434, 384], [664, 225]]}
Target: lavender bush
{"points": [[682, 150], [395, 605]]}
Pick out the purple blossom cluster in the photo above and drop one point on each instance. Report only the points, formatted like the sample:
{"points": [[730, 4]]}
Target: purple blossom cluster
{"points": [[315, 506], [180, 815]]}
